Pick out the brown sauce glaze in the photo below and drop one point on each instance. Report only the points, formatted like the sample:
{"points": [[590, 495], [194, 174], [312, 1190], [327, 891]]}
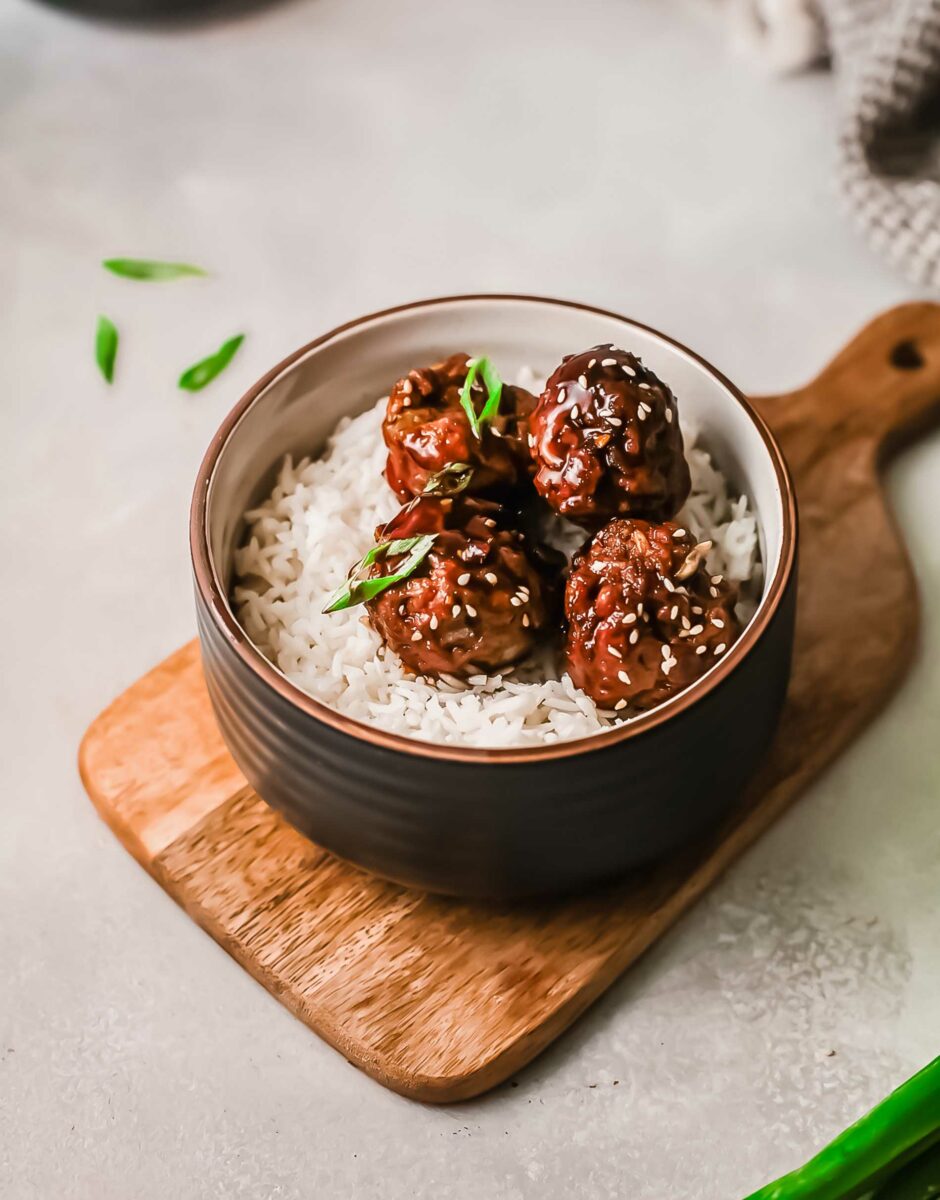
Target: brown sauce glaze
{"points": [[645, 618]]}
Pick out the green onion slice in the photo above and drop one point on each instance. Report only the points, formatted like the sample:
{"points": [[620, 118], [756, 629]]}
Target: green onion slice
{"points": [[149, 269], [106, 346], [357, 590], [196, 377], [494, 390], [448, 481]]}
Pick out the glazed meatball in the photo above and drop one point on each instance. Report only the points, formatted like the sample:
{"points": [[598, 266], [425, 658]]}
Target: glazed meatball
{"points": [[425, 429], [645, 618], [476, 604], [606, 441]]}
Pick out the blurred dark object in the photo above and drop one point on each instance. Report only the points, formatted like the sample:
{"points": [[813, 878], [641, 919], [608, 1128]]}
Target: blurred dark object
{"points": [[160, 11]]}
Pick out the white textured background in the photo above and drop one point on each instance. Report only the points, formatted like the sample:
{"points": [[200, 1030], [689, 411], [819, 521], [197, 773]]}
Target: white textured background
{"points": [[325, 158]]}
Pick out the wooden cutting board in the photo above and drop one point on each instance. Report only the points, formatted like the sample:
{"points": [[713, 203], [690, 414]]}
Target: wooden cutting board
{"points": [[440, 999]]}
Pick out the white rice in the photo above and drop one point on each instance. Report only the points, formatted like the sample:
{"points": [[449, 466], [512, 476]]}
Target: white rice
{"points": [[320, 519]]}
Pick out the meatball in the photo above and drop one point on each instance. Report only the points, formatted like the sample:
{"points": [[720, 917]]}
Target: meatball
{"points": [[645, 617], [606, 441], [479, 600], [425, 429]]}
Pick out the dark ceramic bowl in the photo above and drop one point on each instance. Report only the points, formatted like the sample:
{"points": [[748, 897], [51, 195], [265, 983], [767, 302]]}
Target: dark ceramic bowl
{"points": [[471, 822]]}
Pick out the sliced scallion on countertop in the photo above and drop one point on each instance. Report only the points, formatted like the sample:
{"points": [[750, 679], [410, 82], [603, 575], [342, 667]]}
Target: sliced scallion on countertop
{"points": [[199, 374], [357, 590], [106, 347], [494, 390], [150, 269]]}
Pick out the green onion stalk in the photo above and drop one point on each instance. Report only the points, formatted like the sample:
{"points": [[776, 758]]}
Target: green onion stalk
{"points": [[867, 1159]]}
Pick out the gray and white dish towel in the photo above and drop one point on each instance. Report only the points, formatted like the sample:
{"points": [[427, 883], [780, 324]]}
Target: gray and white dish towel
{"points": [[886, 57]]}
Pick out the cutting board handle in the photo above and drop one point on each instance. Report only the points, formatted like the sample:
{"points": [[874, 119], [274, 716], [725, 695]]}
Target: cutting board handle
{"points": [[885, 384]]}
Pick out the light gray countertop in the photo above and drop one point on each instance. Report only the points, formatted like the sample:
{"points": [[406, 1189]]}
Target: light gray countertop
{"points": [[326, 158]]}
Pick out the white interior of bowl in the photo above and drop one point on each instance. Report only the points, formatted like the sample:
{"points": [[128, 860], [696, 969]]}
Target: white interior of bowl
{"points": [[298, 410]]}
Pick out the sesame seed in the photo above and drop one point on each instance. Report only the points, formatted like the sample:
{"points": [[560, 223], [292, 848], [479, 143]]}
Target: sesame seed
{"points": [[673, 612], [561, 393], [641, 413], [668, 665], [627, 370], [644, 385], [685, 622], [668, 416], [575, 412], [713, 592], [523, 590], [646, 408], [634, 637], [455, 611], [434, 622], [614, 651], [525, 621], [416, 636], [582, 379], [608, 362], [667, 653], [668, 584], [464, 579], [591, 363], [700, 649], [678, 533], [406, 387], [406, 403], [639, 609], [696, 629], [721, 649], [491, 577], [615, 421], [623, 677], [515, 601], [471, 611], [531, 441], [697, 609], [718, 623], [619, 705], [717, 578], [629, 618], [489, 522]]}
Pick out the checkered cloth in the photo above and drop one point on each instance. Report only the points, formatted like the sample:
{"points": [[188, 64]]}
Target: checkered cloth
{"points": [[886, 55]]}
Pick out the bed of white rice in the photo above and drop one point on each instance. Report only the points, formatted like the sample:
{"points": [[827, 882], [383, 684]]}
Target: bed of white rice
{"points": [[320, 519]]}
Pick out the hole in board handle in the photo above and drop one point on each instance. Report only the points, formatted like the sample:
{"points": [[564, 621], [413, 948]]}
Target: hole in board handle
{"points": [[906, 356]]}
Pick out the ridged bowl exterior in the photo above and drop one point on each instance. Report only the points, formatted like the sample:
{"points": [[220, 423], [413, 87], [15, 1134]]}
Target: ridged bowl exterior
{"points": [[502, 830], [495, 824]]}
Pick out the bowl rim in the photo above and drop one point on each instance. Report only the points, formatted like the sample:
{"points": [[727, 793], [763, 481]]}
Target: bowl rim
{"points": [[213, 595]]}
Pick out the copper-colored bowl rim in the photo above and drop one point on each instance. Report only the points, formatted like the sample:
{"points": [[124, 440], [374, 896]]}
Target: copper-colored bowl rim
{"points": [[212, 593]]}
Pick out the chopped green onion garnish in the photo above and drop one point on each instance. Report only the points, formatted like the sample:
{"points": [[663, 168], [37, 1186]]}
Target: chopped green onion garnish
{"points": [[494, 390], [106, 345], [149, 269], [356, 590], [449, 481]]}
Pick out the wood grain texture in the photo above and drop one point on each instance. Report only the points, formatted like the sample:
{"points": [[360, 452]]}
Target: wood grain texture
{"points": [[441, 1000]]}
